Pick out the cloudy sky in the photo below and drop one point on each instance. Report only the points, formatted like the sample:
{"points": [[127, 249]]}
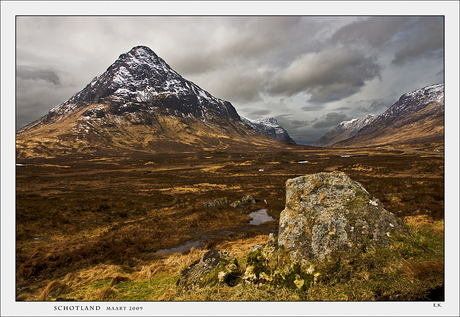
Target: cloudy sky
{"points": [[309, 72]]}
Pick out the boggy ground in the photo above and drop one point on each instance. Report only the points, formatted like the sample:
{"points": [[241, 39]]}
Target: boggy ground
{"points": [[92, 213]]}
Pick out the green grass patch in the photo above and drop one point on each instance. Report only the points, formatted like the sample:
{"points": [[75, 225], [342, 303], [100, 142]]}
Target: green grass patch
{"points": [[146, 290]]}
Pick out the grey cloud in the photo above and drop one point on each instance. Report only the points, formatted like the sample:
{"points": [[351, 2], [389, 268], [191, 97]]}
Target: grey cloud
{"points": [[264, 65], [234, 39], [376, 32], [299, 123], [238, 85], [331, 120], [327, 76], [34, 98], [45, 74], [342, 108], [376, 106], [300, 130], [260, 112], [427, 41], [312, 108]]}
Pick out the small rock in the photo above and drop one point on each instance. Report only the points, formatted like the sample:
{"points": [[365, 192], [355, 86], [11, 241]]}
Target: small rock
{"points": [[216, 203], [214, 267], [244, 202]]}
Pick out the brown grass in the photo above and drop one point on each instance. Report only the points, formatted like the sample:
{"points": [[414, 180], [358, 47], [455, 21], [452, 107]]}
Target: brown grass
{"points": [[117, 279], [108, 293], [420, 270], [99, 219], [54, 288]]}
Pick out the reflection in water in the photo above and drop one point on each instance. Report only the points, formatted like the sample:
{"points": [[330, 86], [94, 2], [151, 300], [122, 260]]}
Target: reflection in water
{"points": [[259, 217]]}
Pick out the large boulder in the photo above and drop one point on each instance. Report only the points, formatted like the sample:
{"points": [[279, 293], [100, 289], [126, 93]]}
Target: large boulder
{"points": [[329, 212]]}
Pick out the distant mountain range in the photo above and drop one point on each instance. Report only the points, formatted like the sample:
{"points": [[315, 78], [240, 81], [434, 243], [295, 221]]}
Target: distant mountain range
{"points": [[344, 130], [270, 127], [416, 118], [141, 104]]}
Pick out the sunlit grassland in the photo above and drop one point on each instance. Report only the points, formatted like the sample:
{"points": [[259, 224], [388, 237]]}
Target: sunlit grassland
{"points": [[90, 230], [407, 270]]}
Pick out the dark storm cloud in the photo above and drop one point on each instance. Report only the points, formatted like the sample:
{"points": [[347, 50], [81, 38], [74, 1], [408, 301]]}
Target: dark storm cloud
{"points": [[331, 120], [327, 76], [342, 108], [45, 74], [410, 37], [426, 42], [301, 130]]}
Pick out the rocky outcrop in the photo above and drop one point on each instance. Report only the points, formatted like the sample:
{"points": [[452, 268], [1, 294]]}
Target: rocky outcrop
{"points": [[216, 202], [328, 217], [329, 212], [213, 268], [245, 202]]}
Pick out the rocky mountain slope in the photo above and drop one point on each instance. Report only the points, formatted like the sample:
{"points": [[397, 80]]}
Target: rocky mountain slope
{"points": [[139, 103], [416, 118], [344, 130], [269, 127]]}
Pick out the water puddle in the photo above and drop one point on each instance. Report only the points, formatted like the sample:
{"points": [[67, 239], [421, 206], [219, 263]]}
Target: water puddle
{"points": [[259, 217], [182, 248], [302, 162]]}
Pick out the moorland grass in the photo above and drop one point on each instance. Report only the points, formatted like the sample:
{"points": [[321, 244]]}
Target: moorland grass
{"points": [[407, 270], [95, 220]]}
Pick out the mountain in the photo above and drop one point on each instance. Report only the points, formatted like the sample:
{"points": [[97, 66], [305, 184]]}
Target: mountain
{"points": [[344, 130], [138, 104], [416, 118], [269, 127]]}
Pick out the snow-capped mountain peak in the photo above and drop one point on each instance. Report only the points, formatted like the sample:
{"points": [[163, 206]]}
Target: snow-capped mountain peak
{"points": [[344, 130], [416, 118], [270, 127], [140, 77], [139, 103]]}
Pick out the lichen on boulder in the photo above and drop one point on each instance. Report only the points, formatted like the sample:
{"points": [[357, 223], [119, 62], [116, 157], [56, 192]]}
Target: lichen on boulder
{"points": [[330, 212]]}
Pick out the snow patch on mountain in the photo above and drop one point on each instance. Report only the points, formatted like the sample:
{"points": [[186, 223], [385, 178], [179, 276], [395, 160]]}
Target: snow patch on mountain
{"points": [[345, 130], [270, 127], [416, 100]]}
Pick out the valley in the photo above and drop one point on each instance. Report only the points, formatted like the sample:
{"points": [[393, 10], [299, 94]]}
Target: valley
{"points": [[125, 185], [85, 213]]}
